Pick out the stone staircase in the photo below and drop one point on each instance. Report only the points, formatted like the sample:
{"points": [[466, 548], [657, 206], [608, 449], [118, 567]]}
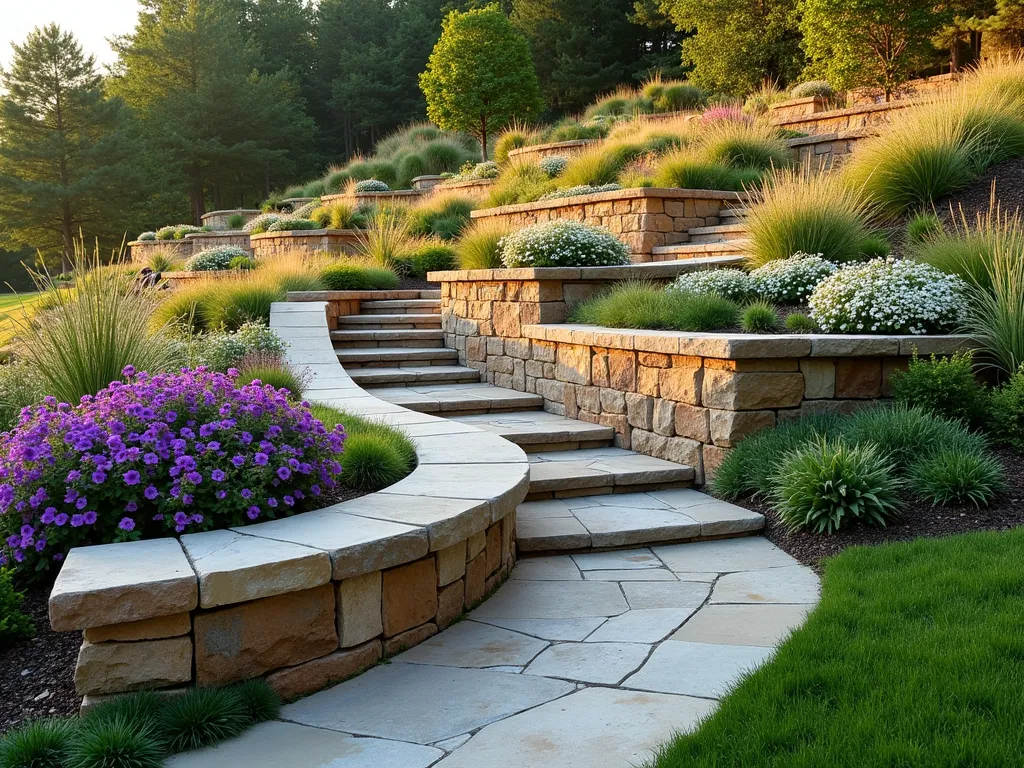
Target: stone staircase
{"points": [[585, 493], [728, 238]]}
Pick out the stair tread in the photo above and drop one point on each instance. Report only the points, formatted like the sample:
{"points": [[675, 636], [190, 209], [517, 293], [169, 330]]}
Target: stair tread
{"points": [[732, 246], [386, 303], [433, 398], [382, 319], [370, 354], [717, 230], [383, 334], [368, 377], [601, 467], [539, 427]]}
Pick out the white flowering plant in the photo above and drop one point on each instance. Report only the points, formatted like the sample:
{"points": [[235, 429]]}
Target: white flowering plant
{"points": [[260, 224], [371, 185], [791, 281], [561, 243], [889, 296], [583, 189], [213, 259], [553, 165], [729, 283], [147, 236]]}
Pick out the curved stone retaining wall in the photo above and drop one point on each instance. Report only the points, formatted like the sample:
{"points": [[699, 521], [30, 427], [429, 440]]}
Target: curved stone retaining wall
{"points": [[218, 220], [312, 599], [368, 199], [537, 152], [141, 250], [305, 240]]}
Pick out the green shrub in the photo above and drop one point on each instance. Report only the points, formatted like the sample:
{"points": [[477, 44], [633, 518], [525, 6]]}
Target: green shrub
{"points": [[241, 263], [260, 701], [146, 236], [944, 386], [798, 322], [519, 182], [477, 248], [141, 708], [760, 317], [14, 623], [313, 189], [215, 259], [336, 181], [743, 145], [573, 131], [236, 221], [220, 351], [441, 215], [1007, 412], [796, 212], [259, 224], [923, 226], [292, 224], [115, 743], [231, 304], [686, 170], [751, 465], [513, 138], [409, 168], [638, 304], [443, 156], [352, 277], [792, 280], [20, 386], [733, 284], [201, 717], [275, 373], [676, 97], [562, 243], [376, 455], [42, 744], [586, 189], [826, 485], [430, 257], [817, 88], [874, 247], [371, 185], [957, 476]]}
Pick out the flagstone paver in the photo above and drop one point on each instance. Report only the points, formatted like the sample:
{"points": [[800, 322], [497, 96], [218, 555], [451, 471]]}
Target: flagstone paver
{"points": [[697, 669], [606, 663]]}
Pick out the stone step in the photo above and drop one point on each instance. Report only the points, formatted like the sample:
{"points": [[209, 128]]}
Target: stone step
{"points": [[375, 337], [542, 431], [400, 306], [390, 321], [404, 375], [584, 472], [434, 294], [686, 250], [384, 356], [464, 398], [728, 214], [621, 520], [720, 234]]}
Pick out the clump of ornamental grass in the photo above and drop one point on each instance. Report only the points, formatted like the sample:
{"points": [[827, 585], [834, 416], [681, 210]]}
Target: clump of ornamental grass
{"points": [[163, 261], [386, 240], [514, 137], [800, 212], [260, 702], [201, 717], [267, 369], [760, 316], [40, 744], [638, 304], [686, 169], [600, 164], [478, 247], [382, 454], [444, 214], [115, 743], [91, 333], [798, 322], [235, 221], [520, 182], [923, 226], [231, 303], [995, 317], [347, 276], [744, 145], [186, 307], [956, 475]]}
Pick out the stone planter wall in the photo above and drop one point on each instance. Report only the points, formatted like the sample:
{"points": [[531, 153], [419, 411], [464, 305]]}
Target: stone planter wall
{"points": [[218, 220], [810, 105], [641, 218], [140, 251], [202, 241], [369, 199], [824, 151], [837, 120], [309, 600], [914, 88], [537, 152], [426, 183], [305, 241], [685, 397], [473, 188]]}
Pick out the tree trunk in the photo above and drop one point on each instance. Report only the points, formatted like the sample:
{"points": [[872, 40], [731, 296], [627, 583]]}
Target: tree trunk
{"points": [[68, 234], [483, 138], [196, 196]]}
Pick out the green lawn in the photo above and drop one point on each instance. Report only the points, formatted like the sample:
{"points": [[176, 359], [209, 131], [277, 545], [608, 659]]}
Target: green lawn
{"points": [[11, 304], [914, 658]]}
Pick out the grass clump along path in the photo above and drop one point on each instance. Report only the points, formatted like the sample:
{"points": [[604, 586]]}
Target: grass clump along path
{"points": [[912, 658]]}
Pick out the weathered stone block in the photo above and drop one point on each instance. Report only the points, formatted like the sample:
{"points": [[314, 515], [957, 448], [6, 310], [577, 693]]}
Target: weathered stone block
{"points": [[119, 667], [493, 549], [729, 427], [572, 363], [451, 563], [858, 378], [664, 417], [589, 399], [450, 603], [359, 607], [640, 411], [681, 383], [611, 401], [148, 629], [476, 578], [475, 544], [303, 679], [409, 638], [543, 351], [713, 456], [732, 391], [681, 450], [250, 639], [654, 360], [647, 381], [409, 596], [819, 378], [693, 422], [622, 370], [551, 390]]}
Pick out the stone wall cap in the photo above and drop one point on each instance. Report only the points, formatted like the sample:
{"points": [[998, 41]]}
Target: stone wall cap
{"points": [[307, 233], [229, 211], [634, 193], [569, 144], [117, 583], [217, 233], [845, 112], [383, 295], [651, 270]]}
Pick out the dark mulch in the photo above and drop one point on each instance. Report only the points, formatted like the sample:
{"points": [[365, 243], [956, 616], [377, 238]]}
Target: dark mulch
{"points": [[920, 519], [1009, 181], [37, 676], [416, 284]]}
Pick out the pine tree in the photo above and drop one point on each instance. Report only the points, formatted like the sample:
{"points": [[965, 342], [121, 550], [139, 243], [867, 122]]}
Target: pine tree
{"points": [[68, 154]]}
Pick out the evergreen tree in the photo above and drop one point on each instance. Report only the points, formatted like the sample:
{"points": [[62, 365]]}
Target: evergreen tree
{"points": [[735, 45], [67, 153], [480, 76], [1007, 24]]}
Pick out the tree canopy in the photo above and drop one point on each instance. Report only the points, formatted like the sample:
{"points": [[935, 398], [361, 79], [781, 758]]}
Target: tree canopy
{"points": [[480, 76]]}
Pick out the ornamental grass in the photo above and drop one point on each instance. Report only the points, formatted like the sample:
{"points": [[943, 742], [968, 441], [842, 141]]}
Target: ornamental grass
{"points": [[478, 246]]}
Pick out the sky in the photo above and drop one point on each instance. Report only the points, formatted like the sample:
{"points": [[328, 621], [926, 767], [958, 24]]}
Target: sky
{"points": [[92, 21]]}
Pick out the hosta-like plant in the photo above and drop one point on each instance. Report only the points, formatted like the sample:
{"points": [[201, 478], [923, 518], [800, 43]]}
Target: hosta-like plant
{"points": [[826, 485], [792, 280], [562, 243]]}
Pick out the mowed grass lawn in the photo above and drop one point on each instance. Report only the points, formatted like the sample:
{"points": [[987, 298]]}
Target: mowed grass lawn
{"points": [[13, 304], [914, 658]]}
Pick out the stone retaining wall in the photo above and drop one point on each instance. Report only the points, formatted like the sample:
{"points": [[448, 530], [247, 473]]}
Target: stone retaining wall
{"points": [[141, 251], [537, 152], [306, 241], [309, 600], [824, 151], [218, 220], [369, 199], [849, 118], [685, 397], [642, 218], [202, 241]]}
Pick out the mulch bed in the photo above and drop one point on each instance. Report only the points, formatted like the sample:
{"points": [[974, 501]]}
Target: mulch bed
{"points": [[920, 519], [1009, 181], [416, 284]]}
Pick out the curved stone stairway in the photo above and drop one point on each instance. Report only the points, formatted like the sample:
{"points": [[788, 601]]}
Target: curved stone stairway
{"points": [[592, 654]]}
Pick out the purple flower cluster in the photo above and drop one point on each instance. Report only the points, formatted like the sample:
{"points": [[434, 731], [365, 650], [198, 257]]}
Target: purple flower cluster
{"points": [[157, 455]]}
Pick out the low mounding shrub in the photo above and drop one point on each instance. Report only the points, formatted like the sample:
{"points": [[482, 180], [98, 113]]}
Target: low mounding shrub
{"points": [[944, 386], [260, 701], [177, 231], [269, 370], [733, 284], [827, 484], [259, 224], [115, 742], [818, 88], [553, 165], [676, 97], [290, 224], [957, 476], [14, 624], [797, 212], [1007, 423], [221, 351], [215, 259], [584, 189], [888, 296], [562, 244], [235, 221], [792, 280], [760, 317], [441, 215], [476, 172], [376, 455], [159, 454], [798, 322], [923, 226], [643, 305], [371, 185], [429, 257], [147, 236], [353, 277], [478, 248], [42, 744]]}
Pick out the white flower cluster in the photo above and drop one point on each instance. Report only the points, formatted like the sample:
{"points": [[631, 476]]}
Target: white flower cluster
{"points": [[147, 236], [372, 185], [561, 243], [791, 281], [260, 224], [730, 283], [470, 172], [583, 189], [888, 296], [553, 165], [303, 211], [214, 258]]}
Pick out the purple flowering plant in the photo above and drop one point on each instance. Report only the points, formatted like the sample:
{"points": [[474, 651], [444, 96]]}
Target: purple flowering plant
{"points": [[154, 456]]}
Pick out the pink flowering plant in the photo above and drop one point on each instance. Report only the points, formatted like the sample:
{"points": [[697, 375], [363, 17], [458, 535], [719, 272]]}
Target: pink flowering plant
{"points": [[155, 456]]}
